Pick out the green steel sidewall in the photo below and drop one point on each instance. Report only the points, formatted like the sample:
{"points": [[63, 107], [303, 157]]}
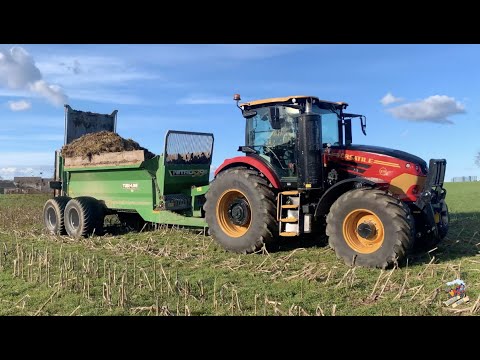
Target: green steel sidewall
{"points": [[126, 189], [137, 188]]}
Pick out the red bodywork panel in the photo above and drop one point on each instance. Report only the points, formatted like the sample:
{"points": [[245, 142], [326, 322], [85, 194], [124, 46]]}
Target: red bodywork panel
{"points": [[404, 181], [255, 163], [390, 173]]}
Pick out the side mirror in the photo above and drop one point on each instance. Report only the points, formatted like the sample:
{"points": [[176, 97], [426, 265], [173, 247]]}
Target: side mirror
{"points": [[275, 118]]}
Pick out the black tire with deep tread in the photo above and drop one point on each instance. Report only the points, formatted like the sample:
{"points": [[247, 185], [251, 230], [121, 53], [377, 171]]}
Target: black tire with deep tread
{"points": [[396, 218], [55, 207], [91, 216], [263, 229]]}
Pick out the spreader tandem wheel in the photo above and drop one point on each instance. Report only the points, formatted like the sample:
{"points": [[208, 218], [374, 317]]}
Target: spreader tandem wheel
{"points": [[53, 215], [83, 216], [368, 227], [240, 211]]}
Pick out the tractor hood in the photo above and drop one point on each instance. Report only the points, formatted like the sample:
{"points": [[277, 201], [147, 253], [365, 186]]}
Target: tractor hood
{"points": [[402, 155]]}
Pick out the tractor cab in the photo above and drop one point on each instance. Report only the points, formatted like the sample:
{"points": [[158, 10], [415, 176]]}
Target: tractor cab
{"points": [[272, 130]]}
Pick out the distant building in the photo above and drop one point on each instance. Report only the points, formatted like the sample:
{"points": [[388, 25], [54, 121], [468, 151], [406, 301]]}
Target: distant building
{"points": [[464, 179], [33, 182], [5, 185], [25, 185]]}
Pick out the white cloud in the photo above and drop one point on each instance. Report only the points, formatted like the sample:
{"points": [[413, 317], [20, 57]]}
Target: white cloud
{"points": [[390, 99], [435, 108], [100, 79], [205, 100], [13, 171], [19, 72], [17, 68], [53, 93], [20, 105], [76, 71]]}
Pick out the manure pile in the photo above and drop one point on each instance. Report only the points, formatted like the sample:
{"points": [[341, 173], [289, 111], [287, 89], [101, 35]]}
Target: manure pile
{"points": [[100, 143]]}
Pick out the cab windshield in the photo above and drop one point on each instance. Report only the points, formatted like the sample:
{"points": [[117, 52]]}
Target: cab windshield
{"points": [[330, 115], [260, 132], [277, 143], [274, 143]]}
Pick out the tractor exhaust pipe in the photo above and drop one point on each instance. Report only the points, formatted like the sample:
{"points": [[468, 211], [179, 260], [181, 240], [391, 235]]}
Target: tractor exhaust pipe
{"points": [[309, 150], [308, 106]]}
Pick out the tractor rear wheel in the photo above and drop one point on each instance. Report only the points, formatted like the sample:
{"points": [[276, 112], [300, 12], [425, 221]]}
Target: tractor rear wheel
{"points": [[240, 211], [84, 215], [53, 215], [368, 227]]}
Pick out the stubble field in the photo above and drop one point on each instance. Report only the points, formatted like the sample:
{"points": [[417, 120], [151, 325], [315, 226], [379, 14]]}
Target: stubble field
{"points": [[182, 272]]}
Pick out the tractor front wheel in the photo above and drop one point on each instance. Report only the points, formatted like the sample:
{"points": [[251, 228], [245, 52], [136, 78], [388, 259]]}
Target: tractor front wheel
{"points": [[368, 227], [240, 211]]}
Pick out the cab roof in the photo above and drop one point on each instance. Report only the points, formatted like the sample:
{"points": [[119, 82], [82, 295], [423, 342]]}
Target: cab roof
{"points": [[288, 98]]}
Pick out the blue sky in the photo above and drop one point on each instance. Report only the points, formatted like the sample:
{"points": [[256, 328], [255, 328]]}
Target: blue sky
{"points": [[417, 98]]}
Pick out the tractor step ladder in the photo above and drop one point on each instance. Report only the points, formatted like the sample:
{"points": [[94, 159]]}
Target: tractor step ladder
{"points": [[288, 213]]}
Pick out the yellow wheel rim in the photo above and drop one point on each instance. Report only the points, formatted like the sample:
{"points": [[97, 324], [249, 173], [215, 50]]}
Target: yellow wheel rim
{"points": [[233, 201], [363, 231]]}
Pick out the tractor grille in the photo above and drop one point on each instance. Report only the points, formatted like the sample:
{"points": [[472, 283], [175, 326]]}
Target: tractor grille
{"points": [[183, 147], [436, 173]]}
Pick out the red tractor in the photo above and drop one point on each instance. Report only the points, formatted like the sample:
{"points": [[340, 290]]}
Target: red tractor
{"points": [[301, 174]]}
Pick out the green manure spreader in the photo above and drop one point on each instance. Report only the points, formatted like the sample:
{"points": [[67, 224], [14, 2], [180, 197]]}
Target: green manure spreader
{"points": [[166, 189]]}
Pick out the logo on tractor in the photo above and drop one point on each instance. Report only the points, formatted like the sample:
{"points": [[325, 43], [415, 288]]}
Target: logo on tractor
{"points": [[131, 187], [383, 171], [201, 172]]}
